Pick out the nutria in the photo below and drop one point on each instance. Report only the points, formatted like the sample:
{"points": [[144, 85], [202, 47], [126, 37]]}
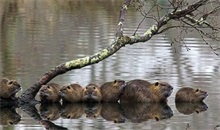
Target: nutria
{"points": [[188, 94], [92, 93], [111, 90], [71, 93], [9, 88], [143, 91], [48, 125], [50, 93]]}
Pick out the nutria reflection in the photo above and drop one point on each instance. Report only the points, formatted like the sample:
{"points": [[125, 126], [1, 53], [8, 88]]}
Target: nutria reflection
{"points": [[93, 110], [9, 116], [112, 112], [189, 108], [140, 112], [49, 111], [72, 110], [51, 126]]}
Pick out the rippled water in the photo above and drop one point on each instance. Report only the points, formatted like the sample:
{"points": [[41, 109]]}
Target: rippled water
{"points": [[37, 35]]}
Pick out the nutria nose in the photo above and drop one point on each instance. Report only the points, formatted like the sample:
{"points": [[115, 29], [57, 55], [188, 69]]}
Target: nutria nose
{"points": [[171, 87]]}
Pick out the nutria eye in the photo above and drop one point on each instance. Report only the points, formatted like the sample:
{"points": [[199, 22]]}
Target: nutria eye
{"points": [[68, 87], [115, 81], [157, 83], [197, 90], [68, 117], [11, 82], [86, 87], [94, 87], [94, 116], [48, 86]]}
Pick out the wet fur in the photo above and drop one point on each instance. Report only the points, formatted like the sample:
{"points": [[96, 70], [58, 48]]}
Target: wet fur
{"points": [[92, 93], [50, 93], [111, 91], [71, 93], [9, 88], [188, 94], [143, 91]]}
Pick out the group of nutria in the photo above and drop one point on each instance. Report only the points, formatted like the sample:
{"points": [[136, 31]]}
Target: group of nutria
{"points": [[136, 90]]}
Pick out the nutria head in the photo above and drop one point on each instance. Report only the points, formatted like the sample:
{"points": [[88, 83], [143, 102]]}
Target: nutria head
{"points": [[188, 94], [71, 93], [92, 93], [9, 88], [50, 93], [111, 91], [162, 89]]}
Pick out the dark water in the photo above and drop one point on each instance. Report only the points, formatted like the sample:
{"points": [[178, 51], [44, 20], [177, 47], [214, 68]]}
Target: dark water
{"points": [[37, 35]]}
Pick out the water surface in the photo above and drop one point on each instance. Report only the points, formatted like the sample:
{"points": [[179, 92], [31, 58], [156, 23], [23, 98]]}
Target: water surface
{"points": [[37, 35]]}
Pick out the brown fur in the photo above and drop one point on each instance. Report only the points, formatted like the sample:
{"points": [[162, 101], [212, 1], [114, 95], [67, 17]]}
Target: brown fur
{"points": [[71, 93], [143, 91], [50, 93], [92, 93], [111, 91], [188, 94], [9, 88]]}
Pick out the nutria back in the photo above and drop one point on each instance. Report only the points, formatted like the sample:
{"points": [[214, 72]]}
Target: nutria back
{"points": [[92, 93], [50, 93], [188, 94], [143, 91], [9, 88], [71, 93], [111, 91]]}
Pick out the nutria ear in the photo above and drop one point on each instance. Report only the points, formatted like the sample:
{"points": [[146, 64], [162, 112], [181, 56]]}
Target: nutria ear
{"points": [[197, 90], [157, 83], [115, 81], [197, 111]]}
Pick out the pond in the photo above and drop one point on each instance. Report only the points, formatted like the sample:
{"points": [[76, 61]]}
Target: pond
{"points": [[37, 35]]}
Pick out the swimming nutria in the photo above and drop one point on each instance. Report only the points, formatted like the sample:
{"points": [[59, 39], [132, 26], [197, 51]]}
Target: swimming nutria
{"points": [[188, 94], [111, 90], [92, 93], [50, 93], [143, 91], [71, 93], [9, 88]]}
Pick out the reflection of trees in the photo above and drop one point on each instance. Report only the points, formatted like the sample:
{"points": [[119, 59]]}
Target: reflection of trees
{"points": [[10, 9]]}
